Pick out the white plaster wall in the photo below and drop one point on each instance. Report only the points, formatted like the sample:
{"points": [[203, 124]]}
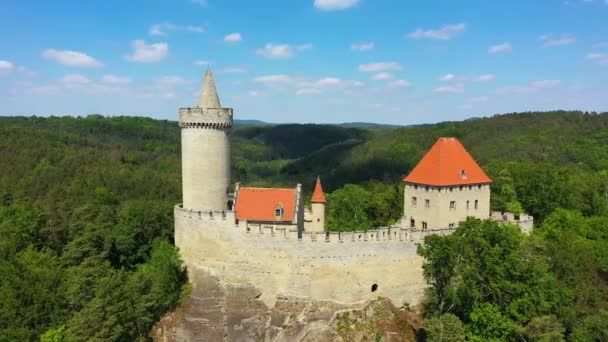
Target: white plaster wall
{"points": [[317, 217], [205, 168], [318, 266], [439, 215]]}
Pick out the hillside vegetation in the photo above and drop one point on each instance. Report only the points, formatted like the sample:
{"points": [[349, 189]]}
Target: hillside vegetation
{"points": [[86, 227]]}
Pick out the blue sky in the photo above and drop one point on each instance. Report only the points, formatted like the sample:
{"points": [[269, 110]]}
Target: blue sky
{"points": [[385, 61]]}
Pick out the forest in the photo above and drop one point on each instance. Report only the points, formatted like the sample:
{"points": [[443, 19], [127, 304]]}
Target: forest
{"points": [[86, 220]]}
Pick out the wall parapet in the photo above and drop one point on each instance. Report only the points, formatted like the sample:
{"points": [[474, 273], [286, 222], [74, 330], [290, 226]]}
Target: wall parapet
{"points": [[205, 117], [524, 221], [279, 231]]}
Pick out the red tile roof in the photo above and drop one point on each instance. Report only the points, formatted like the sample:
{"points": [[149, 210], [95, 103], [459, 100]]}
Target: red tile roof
{"points": [[317, 195], [259, 204], [447, 163]]}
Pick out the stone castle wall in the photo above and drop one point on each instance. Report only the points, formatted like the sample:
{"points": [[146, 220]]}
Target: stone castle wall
{"points": [[340, 267]]}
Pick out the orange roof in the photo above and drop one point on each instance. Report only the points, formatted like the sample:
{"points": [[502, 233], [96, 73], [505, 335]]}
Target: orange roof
{"points": [[259, 204], [317, 195], [447, 163]]}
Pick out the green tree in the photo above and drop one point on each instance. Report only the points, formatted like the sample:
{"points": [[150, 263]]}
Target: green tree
{"points": [[444, 328]]}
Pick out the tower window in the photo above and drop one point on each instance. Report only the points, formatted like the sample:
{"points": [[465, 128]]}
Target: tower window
{"points": [[424, 225], [451, 225], [427, 203], [452, 205], [476, 204], [414, 201], [426, 188], [467, 205], [451, 189]]}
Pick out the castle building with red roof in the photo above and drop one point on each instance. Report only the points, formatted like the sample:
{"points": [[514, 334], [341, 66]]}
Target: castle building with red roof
{"points": [[266, 240], [445, 187]]}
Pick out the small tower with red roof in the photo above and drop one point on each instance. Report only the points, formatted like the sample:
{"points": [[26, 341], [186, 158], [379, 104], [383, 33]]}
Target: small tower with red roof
{"points": [[446, 187], [318, 201]]}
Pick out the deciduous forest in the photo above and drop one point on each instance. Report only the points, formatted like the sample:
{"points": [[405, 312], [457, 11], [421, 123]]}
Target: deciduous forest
{"points": [[86, 220]]}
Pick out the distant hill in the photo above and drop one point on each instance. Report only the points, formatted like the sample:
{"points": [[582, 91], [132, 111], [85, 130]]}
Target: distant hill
{"points": [[246, 122]]}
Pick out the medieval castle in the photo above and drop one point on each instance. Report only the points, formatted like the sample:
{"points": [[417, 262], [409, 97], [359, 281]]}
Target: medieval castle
{"points": [[267, 238]]}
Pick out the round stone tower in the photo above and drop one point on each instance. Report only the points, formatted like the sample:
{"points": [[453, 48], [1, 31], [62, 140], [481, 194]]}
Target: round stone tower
{"points": [[206, 151]]}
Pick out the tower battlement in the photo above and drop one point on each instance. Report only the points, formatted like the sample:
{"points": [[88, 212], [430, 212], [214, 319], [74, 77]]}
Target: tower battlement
{"points": [[205, 117]]}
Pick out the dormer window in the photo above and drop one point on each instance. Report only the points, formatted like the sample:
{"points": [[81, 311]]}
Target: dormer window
{"points": [[278, 212], [463, 174]]}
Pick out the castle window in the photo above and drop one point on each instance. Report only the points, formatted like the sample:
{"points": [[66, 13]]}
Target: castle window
{"points": [[470, 187], [452, 205], [278, 212], [451, 188], [427, 203], [451, 225], [414, 201], [476, 204], [412, 224], [416, 187], [460, 188], [424, 225], [467, 205], [479, 186], [426, 188]]}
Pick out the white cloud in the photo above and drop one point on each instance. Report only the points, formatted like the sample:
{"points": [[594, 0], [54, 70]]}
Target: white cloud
{"points": [[400, 84], [6, 66], [71, 58], [601, 58], [75, 81], [362, 46], [382, 76], [530, 87], [445, 32], [148, 52], [162, 29], [500, 48], [485, 78], [452, 88], [202, 62], [254, 93], [308, 91], [331, 82], [233, 70], [281, 51], [549, 40], [170, 81], [600, 45], [478, 99], [112, 79], [380, 66], [447, 77], [233, 38], [333, 5], [273, 79]]}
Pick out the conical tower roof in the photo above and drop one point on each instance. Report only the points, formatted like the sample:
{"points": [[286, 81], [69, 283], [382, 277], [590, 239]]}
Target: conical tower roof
{"points": [[317, 195], [208, 97], [447, 163]]}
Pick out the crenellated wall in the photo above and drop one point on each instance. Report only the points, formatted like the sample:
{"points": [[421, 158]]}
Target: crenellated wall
{"points": [[341, 267]]}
